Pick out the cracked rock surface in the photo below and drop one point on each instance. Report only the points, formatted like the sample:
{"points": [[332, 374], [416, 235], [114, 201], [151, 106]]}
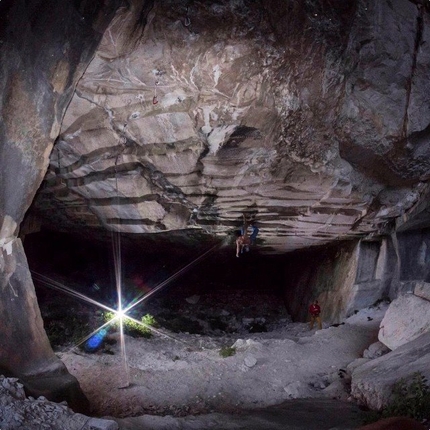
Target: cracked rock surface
{"points": [[310, 118]]}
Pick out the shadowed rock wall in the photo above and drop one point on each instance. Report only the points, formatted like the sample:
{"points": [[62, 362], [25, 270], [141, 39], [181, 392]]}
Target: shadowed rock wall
{"points": [[344, 277], [45, 47]]}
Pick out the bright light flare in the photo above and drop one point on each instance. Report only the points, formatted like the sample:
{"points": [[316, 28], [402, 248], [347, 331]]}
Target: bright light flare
{"points": [[96, 337], [120, 314]]}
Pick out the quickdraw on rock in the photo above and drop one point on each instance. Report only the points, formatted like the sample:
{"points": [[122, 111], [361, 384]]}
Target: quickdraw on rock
{"points": [[155, 99], [187, 21]]}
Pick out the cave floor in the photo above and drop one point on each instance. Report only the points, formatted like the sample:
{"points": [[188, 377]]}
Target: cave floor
{"points": [[183, 377]]}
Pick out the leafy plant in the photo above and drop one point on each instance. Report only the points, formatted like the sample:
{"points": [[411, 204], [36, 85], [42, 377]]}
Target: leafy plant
{"points": [[149, 319], [131, 327], [410, 398], [227, 351]]}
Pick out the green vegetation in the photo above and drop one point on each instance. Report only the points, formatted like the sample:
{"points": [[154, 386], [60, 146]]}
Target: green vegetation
{"points": [[149, 319], [227, 351], [410, 398], [69, 330], [131, 327]]}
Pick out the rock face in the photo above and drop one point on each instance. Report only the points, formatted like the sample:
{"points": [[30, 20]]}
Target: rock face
{"points": [[407, 318], [44, 49], [372, 382], [344, 277], [312, 119]]}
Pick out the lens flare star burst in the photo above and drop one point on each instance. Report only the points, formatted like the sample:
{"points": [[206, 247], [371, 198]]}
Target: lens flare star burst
{"points": [[121, 313]]}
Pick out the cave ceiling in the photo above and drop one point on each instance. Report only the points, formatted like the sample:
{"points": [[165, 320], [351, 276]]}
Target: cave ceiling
{"points": [[310, 117]]}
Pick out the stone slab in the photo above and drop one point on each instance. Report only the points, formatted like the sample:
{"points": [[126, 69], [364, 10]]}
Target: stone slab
{"points": [[406, 318], [372, 382]]}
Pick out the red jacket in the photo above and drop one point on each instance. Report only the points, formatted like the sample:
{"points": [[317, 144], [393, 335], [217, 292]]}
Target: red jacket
{"points": [[314, 309]]}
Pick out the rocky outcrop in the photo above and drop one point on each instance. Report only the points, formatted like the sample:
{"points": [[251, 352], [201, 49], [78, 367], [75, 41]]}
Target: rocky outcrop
{"points": [[407, 318], [373, 381], [375, 350], [20, 411], [45, 47], [422, 289], [305, 117]]}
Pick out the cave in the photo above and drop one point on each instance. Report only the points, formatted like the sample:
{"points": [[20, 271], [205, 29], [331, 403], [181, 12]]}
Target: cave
{"points": [[139, 137]]}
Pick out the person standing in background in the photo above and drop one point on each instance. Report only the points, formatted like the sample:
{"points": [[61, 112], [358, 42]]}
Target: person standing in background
{"points": [[315, 310]]}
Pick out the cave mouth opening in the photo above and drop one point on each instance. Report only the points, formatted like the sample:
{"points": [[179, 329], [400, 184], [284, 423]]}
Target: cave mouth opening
{"points": [[224, 339], [217, 296]]}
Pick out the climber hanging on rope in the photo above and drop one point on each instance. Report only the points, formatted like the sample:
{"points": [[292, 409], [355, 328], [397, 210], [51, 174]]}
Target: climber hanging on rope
{"points": [[244, 241]]}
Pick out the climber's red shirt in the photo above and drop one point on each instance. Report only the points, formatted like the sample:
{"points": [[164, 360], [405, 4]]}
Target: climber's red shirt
{"points": [[314, 309]]}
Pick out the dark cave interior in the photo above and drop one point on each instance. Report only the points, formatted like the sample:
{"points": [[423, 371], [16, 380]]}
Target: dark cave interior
{"points": [[251, 287]]}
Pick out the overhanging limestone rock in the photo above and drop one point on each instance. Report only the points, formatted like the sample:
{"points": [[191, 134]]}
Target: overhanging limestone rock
{"points": [[176, 127]]}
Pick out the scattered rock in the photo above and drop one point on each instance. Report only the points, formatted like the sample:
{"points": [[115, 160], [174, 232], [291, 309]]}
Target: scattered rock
{"points": [[375, 350], [242, 344], [19, 412], [336, 390], [193, 300], [100, 424], [298, 389], [250, 361]]}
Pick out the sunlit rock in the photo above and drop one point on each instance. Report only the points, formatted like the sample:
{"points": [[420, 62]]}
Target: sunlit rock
{"points": [[406, 318]]}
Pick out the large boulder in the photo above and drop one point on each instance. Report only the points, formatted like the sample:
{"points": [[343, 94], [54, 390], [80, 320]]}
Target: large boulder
{"points": [[373, 381], [406, 318]]}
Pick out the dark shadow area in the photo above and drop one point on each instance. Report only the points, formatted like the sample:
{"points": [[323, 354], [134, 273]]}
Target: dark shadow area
{"points": [[197, 290]]}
